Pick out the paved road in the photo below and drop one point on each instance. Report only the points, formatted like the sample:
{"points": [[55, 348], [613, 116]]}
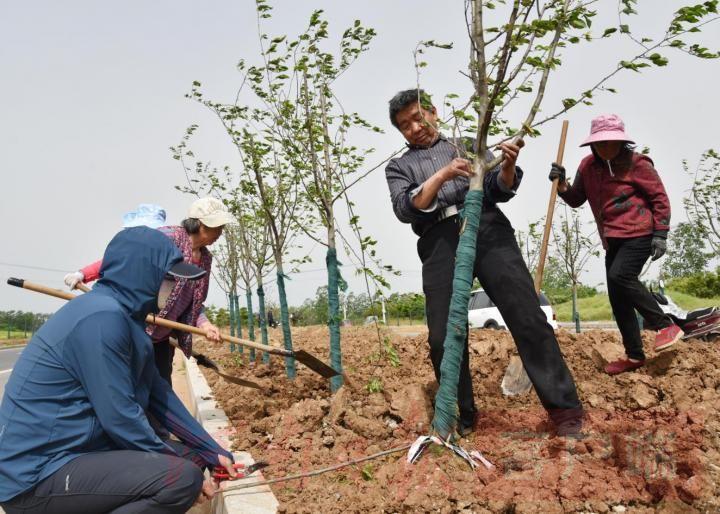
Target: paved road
{"points": [[7, 361]]}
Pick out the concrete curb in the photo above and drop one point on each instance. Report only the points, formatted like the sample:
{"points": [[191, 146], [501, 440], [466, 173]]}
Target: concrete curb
{"points": [[253, 500]]}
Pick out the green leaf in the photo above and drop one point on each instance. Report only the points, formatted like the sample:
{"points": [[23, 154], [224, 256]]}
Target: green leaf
{"points": [[658, 60], [608, 32], [367, 472]]}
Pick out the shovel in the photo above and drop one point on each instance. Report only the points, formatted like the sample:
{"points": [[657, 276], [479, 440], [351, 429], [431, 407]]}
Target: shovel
{"points": [[302, 356], [207, 362], [516, 380], [202, 360]]}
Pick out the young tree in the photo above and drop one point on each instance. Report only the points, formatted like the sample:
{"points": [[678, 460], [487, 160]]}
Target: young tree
{"points": [[268, 177], [253, 234], [556, 285], [686, 253], [573, 249], [703, 204], [530, 243], [292, 137], [294, 85], [227, 255], [203, 178], [256, 251], [513, 61]]}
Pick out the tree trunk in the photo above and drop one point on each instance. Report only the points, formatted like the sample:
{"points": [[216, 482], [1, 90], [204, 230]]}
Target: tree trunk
{"points": [[446, 410], [231, 305], [238, 319], [261, 317], [251, 320], [576, 314], [331, 262], [285, 322]]}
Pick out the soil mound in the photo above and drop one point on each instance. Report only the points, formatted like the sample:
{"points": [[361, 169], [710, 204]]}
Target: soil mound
{"points": [[651, 439]]}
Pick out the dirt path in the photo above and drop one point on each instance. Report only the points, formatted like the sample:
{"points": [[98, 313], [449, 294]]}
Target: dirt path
{"points": [[651, 444]]}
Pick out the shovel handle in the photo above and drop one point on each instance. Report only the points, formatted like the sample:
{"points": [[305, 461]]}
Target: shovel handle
{"points": [[550, 211], [151, 318]]}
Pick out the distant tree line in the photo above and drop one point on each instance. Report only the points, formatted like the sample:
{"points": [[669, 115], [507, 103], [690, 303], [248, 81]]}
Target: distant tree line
{"points": [[12, 322], [354, 309]]}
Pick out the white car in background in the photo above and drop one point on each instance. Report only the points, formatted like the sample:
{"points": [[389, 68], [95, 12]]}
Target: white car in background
{"points": [[482, 312]]}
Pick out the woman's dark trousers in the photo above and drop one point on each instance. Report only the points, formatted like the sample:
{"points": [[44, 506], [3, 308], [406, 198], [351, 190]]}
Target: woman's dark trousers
{"points": [[624, 261]]}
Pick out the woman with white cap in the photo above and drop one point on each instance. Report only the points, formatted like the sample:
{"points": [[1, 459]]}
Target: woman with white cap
{"points": [[202, 227], [632, 212]]}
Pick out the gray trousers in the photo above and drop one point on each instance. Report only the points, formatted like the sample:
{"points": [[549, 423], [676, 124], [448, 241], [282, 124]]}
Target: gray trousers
{"points": [[117, 482]]}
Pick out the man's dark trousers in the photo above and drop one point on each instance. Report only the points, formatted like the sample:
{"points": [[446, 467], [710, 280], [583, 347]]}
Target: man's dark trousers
{"points": [[624, 262], [118, 482], [504, 276]]}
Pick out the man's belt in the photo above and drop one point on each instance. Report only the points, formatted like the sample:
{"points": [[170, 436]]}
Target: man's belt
{"points": [[445, 213], [442, 214]]}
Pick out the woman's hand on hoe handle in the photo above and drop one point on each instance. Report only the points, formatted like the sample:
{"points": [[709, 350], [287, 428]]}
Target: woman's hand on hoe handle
{"points": [[211, 331], [557, 171], [73, 279]]}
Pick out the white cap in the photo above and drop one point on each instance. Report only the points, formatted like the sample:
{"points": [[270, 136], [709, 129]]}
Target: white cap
{"points": [[211, 212]]}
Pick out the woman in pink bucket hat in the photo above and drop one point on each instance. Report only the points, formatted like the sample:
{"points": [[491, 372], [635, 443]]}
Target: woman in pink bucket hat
{"points": [[632, 212]]}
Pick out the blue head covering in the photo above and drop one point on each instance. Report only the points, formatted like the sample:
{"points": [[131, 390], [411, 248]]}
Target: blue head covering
{"points": [[135, 264], [146, 214]]}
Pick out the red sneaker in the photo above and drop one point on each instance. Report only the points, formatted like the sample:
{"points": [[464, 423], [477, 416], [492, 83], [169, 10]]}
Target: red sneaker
{"points": [[667, 337], [622, 365]]}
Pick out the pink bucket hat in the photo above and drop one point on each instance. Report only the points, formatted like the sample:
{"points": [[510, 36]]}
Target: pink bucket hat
{"points": [[607, 127]]}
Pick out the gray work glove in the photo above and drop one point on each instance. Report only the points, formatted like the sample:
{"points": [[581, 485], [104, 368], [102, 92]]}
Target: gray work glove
{"points": [[658, 245], [557, 171]]}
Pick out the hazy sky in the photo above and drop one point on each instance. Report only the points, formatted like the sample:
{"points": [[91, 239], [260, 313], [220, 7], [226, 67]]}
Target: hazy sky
{"points": [[91, 97]]}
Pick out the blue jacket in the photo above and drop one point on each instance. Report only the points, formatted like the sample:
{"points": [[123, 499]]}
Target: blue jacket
{"points": [[86, 380]]}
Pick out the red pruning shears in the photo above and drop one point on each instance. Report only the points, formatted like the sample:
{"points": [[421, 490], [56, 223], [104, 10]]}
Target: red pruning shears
{"points": [[243, 471]]}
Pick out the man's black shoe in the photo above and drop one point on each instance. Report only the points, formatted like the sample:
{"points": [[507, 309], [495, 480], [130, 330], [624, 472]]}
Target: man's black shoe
{"points": [[465, 430], [466, 424], [570, 428]]}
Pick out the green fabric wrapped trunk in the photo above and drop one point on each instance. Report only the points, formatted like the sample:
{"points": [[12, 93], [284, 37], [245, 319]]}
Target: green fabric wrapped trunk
{"points": [[331, 262], [263, 323], [285, 322], [251, 322], [446, 409]]}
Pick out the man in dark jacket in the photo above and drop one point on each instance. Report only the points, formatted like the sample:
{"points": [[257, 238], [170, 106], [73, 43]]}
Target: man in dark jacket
{"points": [[74, 431]]}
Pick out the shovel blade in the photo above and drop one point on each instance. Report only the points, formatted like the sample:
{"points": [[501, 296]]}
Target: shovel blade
{"points": [[205, 361], [237, 380], [516, 380], [315, 364]]}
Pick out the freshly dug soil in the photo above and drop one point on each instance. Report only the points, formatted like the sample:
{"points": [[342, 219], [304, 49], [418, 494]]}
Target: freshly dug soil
{"points": [[651, 438]]}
